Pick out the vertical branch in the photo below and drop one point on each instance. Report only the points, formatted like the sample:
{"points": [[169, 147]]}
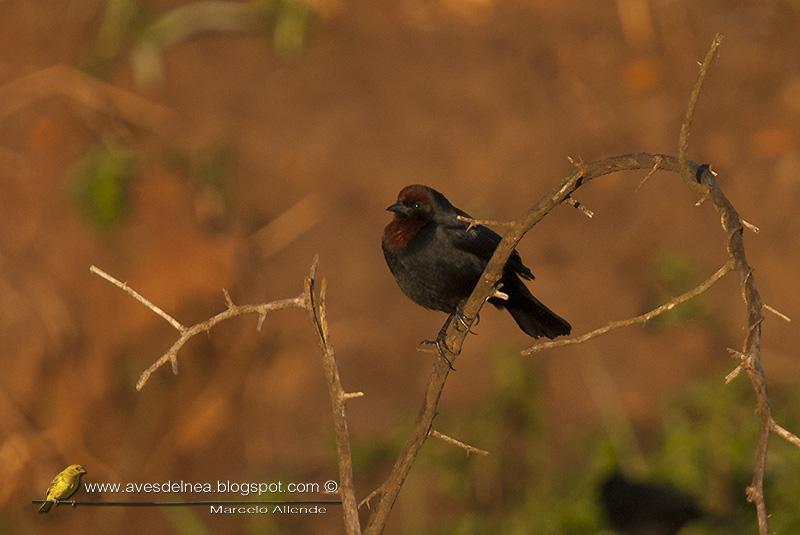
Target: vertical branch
{"points": [[686, 125], [732, 224], [316, 308]]}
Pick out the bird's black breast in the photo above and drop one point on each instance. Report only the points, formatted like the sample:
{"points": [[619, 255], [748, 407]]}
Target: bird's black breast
{"points": [[432, 271]]}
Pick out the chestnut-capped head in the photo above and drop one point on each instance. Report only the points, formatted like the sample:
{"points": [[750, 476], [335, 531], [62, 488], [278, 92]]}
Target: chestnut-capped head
{"points": [[419, 202]]}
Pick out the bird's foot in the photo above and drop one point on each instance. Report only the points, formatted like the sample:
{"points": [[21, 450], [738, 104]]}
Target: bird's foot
{"points": [[465, 323], [442, 349]]}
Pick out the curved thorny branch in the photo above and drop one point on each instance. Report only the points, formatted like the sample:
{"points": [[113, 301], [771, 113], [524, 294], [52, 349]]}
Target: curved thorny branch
{"points": [[701, 179]]}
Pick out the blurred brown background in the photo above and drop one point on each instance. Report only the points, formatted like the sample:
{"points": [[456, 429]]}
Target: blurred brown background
{"points": [[189, 153]]}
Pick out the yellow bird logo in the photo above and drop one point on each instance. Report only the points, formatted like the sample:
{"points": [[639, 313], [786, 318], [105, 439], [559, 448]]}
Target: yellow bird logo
{"points": [[63, 486]]}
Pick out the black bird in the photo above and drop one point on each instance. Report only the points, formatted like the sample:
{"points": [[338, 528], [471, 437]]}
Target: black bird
{"points": [[639, 508], [437, 261]]}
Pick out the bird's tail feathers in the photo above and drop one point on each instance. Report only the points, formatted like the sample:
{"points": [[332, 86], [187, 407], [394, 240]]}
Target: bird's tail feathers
{"points": [[45, 507], [531, 315]]}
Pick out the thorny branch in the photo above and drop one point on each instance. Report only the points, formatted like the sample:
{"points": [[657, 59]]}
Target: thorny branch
{"points": [[186, 333], [457, 443], [701, 179], [643, 318], [315, 303]]}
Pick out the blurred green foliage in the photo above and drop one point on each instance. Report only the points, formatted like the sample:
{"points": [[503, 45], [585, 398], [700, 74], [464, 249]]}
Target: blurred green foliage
{"points": [[130, 25], [100, 183], [288, 21], [703, 444], [123, 21], [675, 273]]}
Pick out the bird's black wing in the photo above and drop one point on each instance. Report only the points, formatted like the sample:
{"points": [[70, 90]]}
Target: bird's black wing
{"points": [[482, 241]]}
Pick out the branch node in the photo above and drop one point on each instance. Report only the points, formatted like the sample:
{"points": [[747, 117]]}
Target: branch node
{"points": [[746, 364]]}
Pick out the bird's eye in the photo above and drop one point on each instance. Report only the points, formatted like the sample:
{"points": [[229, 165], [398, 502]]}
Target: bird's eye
{"points": [[416, 206]]}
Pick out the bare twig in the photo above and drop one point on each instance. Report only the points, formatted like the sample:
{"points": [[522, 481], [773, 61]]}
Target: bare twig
{"points": [[186, 333], [643, 318], [315, 303], [686, 125], [457, 443], [139, 297], [783, 433]]}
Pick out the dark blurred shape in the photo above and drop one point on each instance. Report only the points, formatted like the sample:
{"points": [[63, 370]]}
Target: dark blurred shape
{"points": [[640, 508]]}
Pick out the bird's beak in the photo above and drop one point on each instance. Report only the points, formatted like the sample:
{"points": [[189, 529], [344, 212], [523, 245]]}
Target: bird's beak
{"points": [[398, 208], [82, 470]]}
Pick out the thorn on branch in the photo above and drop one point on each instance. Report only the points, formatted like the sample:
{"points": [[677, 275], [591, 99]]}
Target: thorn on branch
{"points": [[366, 501], [352, 395], [702, 199], [500, 295], [749, 226], [578, 163], [778, 313], [228, 300], [472, 222], [580, 206], [650, 173]]}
